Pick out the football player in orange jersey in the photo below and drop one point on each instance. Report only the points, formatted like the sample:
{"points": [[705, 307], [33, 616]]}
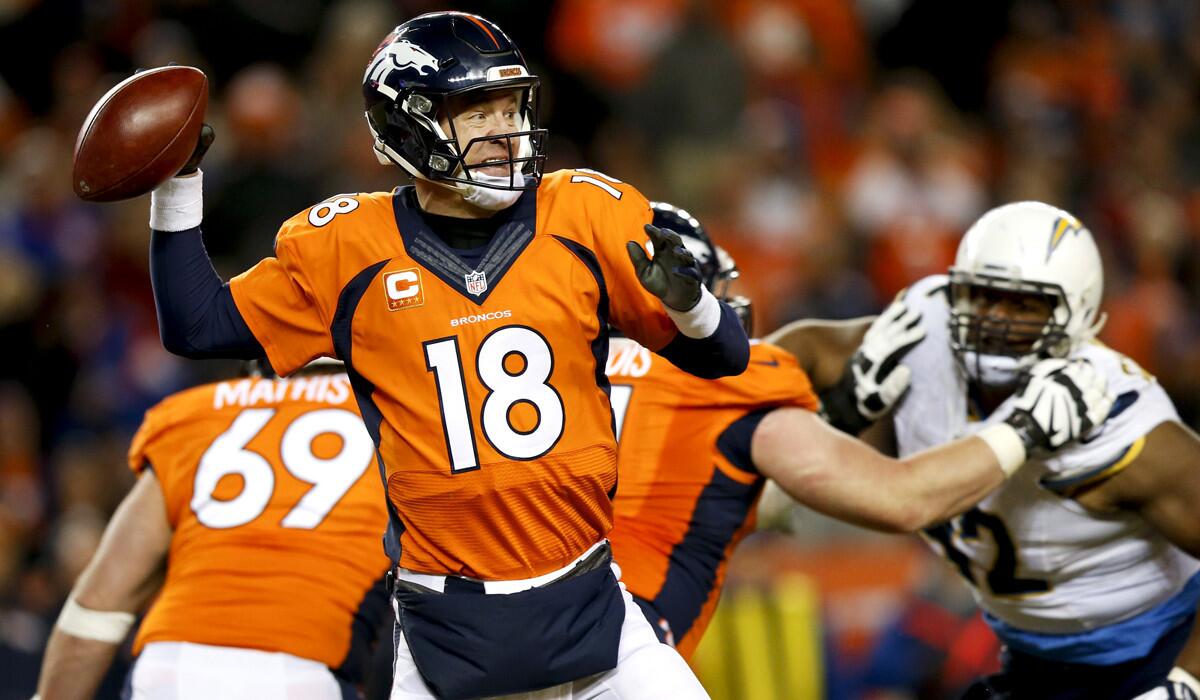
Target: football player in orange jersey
{"points": [[258, 501], [694, 455], [471, 310]]}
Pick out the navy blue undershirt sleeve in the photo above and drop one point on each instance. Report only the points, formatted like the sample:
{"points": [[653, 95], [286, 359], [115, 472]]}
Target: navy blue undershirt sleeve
{"points": [[725, 353], [197, 317], [734, 442]]}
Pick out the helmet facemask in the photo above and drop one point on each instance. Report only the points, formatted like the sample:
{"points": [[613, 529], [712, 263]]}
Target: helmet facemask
{"points": [[413, 120], [994, 349]]}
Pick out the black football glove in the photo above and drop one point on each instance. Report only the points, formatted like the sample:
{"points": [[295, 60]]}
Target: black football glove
{"points": [[672, 275], [206, 138]]}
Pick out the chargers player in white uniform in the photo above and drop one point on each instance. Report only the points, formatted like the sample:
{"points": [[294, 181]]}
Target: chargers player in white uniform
{"points": [[1084, 561]]}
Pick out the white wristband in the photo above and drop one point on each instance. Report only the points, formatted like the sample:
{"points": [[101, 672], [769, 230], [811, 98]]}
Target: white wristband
{"points": [[1006, 445], [178, 203], [79, 621], [703, 318]]}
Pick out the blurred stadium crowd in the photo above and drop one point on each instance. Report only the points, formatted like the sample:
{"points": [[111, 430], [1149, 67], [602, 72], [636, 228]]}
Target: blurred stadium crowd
{"points": [[837, 148]]}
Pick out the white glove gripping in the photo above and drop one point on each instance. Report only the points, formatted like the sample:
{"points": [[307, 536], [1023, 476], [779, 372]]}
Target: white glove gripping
{"points": [[1179, 685], [874, 380], [1059, 401], [879, 379]]}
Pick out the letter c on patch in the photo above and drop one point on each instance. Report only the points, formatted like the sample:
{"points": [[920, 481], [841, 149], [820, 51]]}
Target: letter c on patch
{"points": [[402, 285], [403, 289]]}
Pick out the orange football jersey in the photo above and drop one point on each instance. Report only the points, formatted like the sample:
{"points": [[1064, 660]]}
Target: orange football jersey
{"points": [[482, 384], [688, 489], [277, 507]]}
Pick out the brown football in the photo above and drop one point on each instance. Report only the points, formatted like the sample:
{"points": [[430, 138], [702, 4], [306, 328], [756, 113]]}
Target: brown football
{"points": [[140, 133]]}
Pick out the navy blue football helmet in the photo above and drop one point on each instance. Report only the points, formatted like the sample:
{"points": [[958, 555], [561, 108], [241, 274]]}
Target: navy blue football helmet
{"points": [[429, 59], [717, 268]]}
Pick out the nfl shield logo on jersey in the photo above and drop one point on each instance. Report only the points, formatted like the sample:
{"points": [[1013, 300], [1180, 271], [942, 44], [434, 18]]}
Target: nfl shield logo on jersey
{"points": [[476, 282]]}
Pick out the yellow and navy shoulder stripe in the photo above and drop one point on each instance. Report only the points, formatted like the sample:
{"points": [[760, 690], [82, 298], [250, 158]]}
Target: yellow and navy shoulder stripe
{"points": [[1072, 485]]}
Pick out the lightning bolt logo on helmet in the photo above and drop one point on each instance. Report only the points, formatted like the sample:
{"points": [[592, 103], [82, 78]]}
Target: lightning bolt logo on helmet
{"points": [[1062, 226]]}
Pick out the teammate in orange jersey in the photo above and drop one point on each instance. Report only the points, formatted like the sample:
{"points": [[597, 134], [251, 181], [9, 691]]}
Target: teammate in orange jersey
{"points": [[694, 455], [471, 310], [259, 500]]}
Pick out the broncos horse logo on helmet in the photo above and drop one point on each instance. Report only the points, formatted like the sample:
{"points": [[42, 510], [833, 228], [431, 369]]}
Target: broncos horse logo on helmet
{"points": [[400, 55], [717, 268], [422, 64]]}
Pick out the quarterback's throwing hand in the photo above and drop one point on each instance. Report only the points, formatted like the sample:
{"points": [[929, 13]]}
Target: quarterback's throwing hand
{"points": [[874, 379], [1059, 401], [193, 164], [672, 275]]}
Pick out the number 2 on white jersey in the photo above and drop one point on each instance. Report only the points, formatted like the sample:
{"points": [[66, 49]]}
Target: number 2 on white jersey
{"points": [[505, 390], [331, 478]]}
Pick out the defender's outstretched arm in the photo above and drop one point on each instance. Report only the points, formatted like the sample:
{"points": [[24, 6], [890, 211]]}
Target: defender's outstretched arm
{"points": [[845, 478]]}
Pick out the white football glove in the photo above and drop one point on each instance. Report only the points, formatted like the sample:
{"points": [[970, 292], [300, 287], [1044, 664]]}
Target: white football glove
{"points": [[1179, 685], [1183, 677], [1059, 401], [874, 379]]}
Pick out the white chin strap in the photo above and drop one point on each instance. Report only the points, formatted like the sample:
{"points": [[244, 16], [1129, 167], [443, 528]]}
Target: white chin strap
{"points": [[993, 370], [488, 198], [491, 198], [484, 197]]}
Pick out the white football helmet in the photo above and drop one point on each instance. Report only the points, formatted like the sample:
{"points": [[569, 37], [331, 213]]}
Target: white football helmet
{"points": [[1024, 248]]}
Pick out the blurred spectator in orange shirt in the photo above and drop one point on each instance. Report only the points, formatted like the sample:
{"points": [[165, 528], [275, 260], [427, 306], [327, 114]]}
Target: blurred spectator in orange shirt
{"points": [[915, 188], [613, 42], [813, 55]]}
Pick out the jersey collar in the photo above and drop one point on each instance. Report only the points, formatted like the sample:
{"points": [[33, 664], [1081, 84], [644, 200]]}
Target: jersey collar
{"points": [[516, 226]]}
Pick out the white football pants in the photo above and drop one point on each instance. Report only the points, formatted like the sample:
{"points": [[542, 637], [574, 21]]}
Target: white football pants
{"points": [[185, 671]]}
